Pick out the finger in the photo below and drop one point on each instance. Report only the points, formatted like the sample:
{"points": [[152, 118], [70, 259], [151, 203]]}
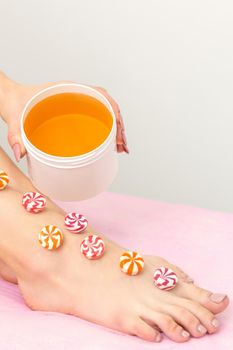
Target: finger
{"points": [[15, 141], [121, 140]]}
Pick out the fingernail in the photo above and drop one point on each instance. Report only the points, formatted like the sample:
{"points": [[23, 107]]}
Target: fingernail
{"points": [[201, 329], [17, 152], [158, 338], [215, 323], [126, 149], [185, 334], [217, 297]]}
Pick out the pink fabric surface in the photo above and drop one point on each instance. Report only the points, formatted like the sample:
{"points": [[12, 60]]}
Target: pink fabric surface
{"points": [[198, 240]]}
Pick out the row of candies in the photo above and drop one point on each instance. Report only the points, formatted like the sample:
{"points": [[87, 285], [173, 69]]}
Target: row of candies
{"points": [[92, 247]]}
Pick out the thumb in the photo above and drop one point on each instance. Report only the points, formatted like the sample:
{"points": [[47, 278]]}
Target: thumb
{"points": [[15, 141]]}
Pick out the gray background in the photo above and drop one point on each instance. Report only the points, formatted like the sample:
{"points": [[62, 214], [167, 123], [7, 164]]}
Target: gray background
{"points": [[169, 64]]}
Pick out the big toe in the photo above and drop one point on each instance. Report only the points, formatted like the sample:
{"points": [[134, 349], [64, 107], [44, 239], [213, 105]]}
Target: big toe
{"points": [[215, 302]]}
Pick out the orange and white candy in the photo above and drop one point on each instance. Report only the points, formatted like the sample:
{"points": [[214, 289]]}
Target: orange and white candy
{"points": [[131, 263], [4, 179], [50, 237]]}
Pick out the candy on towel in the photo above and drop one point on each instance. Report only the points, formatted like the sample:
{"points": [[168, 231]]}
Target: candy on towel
{"points": [[4, 179], [75, 222], [92, 247], [50, 237], [131, 263], [33, 202], [164, 278]]}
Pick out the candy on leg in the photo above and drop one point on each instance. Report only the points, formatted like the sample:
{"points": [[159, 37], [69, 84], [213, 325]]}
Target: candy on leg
{"points": [[92, 247], [34, 202], [75, 222], [131, 263], [4, 180]]}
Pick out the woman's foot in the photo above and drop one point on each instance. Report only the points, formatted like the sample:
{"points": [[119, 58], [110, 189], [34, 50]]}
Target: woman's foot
{"points": [[65, 281], [99, 292]]}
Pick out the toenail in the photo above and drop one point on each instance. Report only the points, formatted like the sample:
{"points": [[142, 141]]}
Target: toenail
{"points": [[185, 334], [217, 297], [158, 338], [201, 329], [215, 323]]}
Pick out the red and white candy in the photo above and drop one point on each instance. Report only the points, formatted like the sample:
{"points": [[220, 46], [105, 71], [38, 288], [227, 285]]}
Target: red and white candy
{"points": [[50, 237], [4, 179], [164, 278], [75, 222], [92, 247], [131, 263], [33, 202]]}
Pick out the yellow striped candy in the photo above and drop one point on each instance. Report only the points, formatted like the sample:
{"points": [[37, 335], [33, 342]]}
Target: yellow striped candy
{"points": [[50, 237], [4, 179], [131, 263]]}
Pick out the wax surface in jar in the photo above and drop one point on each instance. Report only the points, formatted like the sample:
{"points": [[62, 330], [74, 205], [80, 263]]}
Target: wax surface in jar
{"points": [[68, 124]]}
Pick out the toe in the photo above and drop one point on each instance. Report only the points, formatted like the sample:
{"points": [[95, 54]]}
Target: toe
{"points": [[144, 331], [215, 302], [167, 325], [186, 319], [206, 318]]}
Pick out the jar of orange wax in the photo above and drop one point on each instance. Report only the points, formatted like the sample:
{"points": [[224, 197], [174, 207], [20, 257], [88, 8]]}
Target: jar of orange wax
{"points": [[69, 132]]}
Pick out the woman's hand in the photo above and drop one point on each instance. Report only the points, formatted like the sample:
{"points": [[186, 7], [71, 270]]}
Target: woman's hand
{"points": [[13, 97]]}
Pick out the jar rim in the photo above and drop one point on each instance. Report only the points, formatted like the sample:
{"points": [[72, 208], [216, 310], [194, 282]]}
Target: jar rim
{"points": [[71, 161]]}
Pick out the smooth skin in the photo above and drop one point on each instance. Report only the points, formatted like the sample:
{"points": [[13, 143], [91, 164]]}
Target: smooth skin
{"points": [[66, 282]]}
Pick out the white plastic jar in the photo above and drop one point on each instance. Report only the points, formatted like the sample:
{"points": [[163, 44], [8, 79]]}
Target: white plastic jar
{"points": [[71, 178]]}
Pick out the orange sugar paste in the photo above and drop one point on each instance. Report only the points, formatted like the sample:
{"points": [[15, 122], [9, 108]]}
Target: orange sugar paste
{"points": [[68, 124]]}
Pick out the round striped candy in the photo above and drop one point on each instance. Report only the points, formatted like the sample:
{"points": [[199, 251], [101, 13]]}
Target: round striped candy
{"points": [[164, 278], [50, 237], [4, 179], [33, 202], [92, 247], [75, 222], [131, 263]]}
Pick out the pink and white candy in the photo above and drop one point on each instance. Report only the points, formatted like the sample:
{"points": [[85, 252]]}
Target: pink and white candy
{"points": [[33, 202], [164, 278], [92, 247], [75, 222]]}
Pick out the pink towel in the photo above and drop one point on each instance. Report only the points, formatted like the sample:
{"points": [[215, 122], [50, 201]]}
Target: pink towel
{"points": [[198, 240]]}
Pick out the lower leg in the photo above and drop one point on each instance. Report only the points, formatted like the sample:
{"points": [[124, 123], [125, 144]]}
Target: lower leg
{"points": [[19, 183]]}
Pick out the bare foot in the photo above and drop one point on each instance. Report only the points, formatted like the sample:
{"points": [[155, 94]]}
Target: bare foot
{"points": [[65, 281]]}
